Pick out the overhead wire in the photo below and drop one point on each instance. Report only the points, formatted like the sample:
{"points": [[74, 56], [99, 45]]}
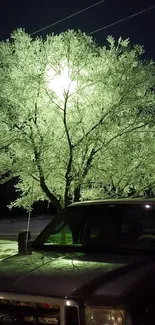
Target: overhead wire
{"points": [[70, 16], [121, 20]]}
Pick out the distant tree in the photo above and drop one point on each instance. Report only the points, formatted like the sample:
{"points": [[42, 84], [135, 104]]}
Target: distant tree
{"points": [[69, 115]]}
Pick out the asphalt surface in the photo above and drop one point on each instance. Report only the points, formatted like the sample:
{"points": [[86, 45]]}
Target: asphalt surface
{"points": [[9, 229]]}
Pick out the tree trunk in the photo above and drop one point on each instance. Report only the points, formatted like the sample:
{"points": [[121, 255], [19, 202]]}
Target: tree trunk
{"points": [[77, 195], [52, 197], [67, 195], [56, 203], [68, 198], [68, 177]]}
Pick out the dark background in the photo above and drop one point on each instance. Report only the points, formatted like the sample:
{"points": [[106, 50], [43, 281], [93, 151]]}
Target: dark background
{"points": [[36, 14]]}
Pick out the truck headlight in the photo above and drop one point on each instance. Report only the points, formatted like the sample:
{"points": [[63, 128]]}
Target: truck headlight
{"points": [[101, 316]]}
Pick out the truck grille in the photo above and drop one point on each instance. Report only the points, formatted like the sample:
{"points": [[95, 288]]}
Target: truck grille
{"points": [[28, 310]]}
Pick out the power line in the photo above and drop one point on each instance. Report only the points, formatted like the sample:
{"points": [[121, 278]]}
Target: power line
{"points": [[70, 16], [121, 20]]}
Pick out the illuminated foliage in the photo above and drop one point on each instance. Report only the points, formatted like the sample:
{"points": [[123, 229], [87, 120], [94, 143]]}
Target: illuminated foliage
{"points": [[73, 113]]}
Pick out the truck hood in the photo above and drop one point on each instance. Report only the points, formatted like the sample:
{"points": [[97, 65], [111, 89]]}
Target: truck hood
{"points": [[59, 275]]}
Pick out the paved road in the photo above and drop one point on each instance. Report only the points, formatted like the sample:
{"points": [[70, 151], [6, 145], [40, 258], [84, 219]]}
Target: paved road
{"points": [[9, 229]]}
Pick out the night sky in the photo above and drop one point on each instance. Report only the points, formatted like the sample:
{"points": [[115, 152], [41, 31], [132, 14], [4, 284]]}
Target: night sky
{"points": [[35, 14]]}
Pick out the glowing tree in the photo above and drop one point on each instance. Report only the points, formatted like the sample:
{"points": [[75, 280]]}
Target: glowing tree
{"points": [[67, 105]]}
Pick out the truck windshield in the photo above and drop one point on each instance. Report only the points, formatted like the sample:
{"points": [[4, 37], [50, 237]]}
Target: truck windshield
{"points": [[122, 225]]}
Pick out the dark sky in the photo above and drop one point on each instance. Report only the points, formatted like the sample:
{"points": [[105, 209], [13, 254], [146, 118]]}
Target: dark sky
{"points": [[35, 14]]}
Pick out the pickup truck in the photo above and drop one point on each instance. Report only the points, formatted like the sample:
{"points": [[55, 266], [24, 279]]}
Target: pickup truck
{"points": [[93, 264]]}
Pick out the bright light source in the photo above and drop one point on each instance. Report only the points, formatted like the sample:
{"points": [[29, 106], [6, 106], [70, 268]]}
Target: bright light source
{"points": [[68, 303], [147, 206], [60, 83]]}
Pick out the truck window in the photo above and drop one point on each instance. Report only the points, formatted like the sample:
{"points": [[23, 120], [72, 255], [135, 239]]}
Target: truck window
{"points": [[63, 237]]}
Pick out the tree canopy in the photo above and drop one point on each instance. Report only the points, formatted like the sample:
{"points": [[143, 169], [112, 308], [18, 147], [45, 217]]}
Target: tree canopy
{"points": [[75, 114]]}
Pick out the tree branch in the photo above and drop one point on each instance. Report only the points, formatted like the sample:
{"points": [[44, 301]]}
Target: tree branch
{"points": [[68, 171], [42, 181]]}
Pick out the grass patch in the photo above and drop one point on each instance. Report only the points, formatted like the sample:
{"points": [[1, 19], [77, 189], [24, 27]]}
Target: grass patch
{"points": [[8, 248]]}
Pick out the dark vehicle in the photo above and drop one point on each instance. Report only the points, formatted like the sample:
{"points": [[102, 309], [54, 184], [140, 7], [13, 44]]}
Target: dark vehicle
{"points": [[94, 264]]}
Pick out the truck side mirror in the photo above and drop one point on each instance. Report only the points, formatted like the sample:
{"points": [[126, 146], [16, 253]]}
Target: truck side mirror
{"points": [[22, 237]]}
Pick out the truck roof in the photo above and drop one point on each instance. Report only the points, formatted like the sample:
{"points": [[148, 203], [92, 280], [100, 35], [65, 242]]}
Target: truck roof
{"points": [[116, 201]]}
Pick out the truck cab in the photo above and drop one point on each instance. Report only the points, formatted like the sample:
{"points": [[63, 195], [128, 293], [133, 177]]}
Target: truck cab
{"points": [[93, 264]]}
